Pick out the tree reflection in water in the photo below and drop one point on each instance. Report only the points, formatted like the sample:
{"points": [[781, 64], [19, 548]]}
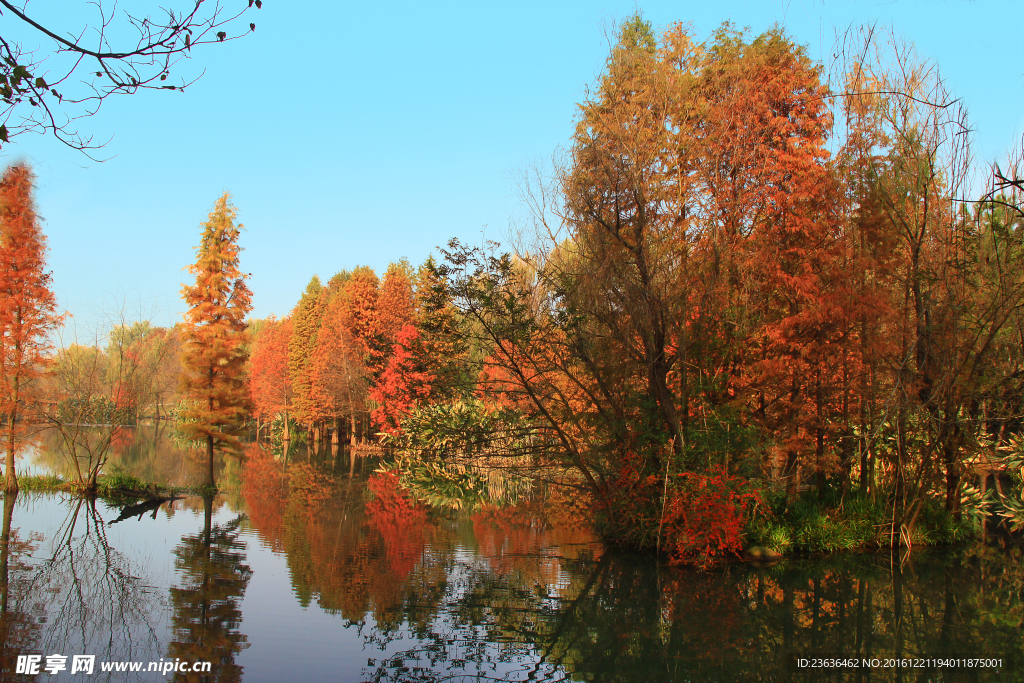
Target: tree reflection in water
{"points": [[18, 628], [83, 597], [527, 593], [206, 604]]}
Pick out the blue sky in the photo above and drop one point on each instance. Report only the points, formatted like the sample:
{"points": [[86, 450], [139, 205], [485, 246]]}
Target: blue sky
{"points": [[360, 133]]}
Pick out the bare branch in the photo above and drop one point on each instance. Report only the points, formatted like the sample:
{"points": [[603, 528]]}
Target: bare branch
{"points": [[88, 67]]}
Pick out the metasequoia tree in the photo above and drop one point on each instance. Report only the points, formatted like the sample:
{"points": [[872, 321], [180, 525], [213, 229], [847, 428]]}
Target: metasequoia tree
{"points": [[940, 360], [306, 320], [359, 315], [393, 309], [338, 374], [26, 306], [269, 382], [787, 249], [49, 77], [359, 297], [403, 383], [619, 268], [214, 349]]}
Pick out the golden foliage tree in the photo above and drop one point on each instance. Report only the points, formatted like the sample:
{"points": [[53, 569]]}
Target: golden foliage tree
{"points": [[214, 352]]}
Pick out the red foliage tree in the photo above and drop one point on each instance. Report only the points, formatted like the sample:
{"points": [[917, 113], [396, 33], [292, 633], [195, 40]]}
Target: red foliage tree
{"points": [[403, 383], [214, 353], [26, 304], [793, 257], [306, 320], [359, 296], [395, 304]]}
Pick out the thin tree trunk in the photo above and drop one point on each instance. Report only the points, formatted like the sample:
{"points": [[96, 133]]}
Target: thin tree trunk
{"points": [[11, 484], [209, 461]]}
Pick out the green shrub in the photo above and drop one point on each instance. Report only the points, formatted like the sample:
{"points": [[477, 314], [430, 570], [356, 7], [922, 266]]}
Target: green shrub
{"points": [[117, 480]]}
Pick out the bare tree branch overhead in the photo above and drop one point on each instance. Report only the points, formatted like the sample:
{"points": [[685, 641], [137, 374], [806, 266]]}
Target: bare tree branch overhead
{"points": [[51, 77]]}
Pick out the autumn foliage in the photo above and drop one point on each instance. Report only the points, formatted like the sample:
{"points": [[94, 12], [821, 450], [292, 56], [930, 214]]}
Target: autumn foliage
{"points": [[746, 271], [26, 306], [214, 352], [361, 352], [703, 519], [270, 385], [403, 382]]}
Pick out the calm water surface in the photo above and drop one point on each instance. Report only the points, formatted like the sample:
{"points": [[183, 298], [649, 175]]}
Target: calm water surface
{"points": [[295, 578]]}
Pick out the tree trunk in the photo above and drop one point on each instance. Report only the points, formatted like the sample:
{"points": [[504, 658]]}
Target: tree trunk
{"points": [[209, 461], [11, 484], [790, 475]]}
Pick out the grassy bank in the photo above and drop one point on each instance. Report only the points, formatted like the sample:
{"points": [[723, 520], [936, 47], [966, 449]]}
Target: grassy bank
{"points": [[829, 523], [116, 485]]}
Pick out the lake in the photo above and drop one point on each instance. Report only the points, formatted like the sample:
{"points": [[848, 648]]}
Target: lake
{"points": [[307, 582]]}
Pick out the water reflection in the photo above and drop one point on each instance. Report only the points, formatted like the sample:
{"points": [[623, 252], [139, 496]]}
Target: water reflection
{"points": [[74, 592], [18, 630], [206, 603], [526, 593], [149, 452], [311, 578]]}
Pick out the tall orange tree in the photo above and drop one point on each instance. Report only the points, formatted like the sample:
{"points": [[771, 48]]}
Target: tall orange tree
{"points": [[338, 375], [269, 382], [214, 353], [26, 304]]}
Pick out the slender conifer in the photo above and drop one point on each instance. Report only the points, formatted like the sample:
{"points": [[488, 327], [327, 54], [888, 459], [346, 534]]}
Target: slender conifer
{"points": [[215, 349], [26, 305]]}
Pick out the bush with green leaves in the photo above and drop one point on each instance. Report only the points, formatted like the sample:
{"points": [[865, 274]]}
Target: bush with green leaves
{"points": [[463, 454], [1010, 506], [466, 428]]}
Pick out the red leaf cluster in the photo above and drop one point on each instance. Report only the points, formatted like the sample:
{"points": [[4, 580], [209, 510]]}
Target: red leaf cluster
{"points": [[403, 383], [704, 517]]}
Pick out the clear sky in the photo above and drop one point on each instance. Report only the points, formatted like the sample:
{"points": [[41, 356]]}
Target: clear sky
{"points": [[359, 133]]}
